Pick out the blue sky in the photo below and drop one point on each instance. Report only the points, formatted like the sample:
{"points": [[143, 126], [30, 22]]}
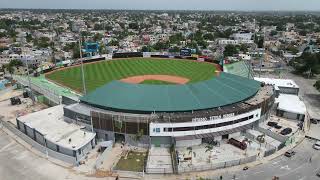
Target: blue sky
{"points": [[166, 4]]}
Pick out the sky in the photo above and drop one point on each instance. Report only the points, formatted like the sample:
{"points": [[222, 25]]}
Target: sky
{"points": [[242, 5]]}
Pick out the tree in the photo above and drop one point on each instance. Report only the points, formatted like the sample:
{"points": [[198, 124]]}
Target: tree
{"points": [[145, 49], [114, 43], [42, 42], [134, 26], [174, 49], [273, 33], [176, 38], [29, 37], [13, 63], [208, 36], [76, 51], [161, 45], [292, 49], [97, 37], [103, 49], [139, 135], [317, 85], [307, 63], [230, 50], [243, 48], [280, 27]]}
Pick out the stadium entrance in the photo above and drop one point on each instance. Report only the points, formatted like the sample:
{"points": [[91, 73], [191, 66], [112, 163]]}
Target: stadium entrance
{"points": [[226, 136], [119, 138]]}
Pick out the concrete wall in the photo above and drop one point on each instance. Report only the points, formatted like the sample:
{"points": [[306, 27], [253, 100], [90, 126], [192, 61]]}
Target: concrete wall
{"points": [[30, 132], [51, 145], [84, 150], [39, 147], [237, 134], [218, 138], [21, 126], [272, 134], [39, 138], [66, 151], [187, 143], [287, 90]]}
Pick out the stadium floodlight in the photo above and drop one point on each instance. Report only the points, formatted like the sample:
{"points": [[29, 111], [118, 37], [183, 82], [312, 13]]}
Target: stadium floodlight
{"points": [[82, 69], [28, 73]]}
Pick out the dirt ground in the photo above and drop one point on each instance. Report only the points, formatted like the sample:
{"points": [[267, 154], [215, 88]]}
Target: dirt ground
{"points": [[10, 112], [167, 78]]}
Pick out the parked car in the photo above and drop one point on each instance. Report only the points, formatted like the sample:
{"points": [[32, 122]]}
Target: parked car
{"points": [[318, 173], [317, 145], [15, 100], [245, 168], [277, 126], [313, 121], [272, 124], [242, 145], [290, 153], [286, 131]]}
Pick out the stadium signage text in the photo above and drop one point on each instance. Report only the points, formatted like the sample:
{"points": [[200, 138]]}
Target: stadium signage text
{"points": [[211, 118]]}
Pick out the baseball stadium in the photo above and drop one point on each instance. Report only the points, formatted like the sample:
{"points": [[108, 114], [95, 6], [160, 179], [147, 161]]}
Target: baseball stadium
{"points": [[153, 101]]}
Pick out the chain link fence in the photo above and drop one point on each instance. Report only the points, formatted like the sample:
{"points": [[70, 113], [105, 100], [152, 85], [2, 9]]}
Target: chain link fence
{"points": [[214, 166], [46, 91]]}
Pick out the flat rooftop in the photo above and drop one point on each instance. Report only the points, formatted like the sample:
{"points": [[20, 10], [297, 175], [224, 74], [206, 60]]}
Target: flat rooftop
{"points": [[50, 122], [291, 103], [288, 83]]}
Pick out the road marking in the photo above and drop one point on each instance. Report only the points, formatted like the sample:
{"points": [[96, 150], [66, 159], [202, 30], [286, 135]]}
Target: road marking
{"points": [[6, 146], [285, 167], [293, 170], [277, 162], [258, 172]]}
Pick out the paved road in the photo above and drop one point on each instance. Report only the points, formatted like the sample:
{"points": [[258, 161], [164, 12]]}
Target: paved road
{"points": [[297, 167], [18, 163]]}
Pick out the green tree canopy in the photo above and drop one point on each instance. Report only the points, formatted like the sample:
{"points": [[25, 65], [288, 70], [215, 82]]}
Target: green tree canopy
{"points": [[307, 63], [230, 50]]}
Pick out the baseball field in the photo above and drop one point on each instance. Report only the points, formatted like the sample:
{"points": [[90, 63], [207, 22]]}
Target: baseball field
{"points": [[99, 73]]}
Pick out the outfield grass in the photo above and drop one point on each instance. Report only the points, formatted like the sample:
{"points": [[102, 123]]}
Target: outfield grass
{"points": [[98, 74], [156, 82]]}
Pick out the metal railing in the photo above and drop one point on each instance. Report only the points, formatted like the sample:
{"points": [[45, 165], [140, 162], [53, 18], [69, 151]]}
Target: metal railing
{"points": [[214, 166], [48, 93]]}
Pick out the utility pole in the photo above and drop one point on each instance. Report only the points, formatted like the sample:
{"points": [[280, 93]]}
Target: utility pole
{"points": [[82, 69], [28, 74]]}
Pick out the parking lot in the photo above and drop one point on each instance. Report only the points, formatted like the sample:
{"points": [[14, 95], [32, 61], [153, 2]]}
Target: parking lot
{"points": [[281, 124]]}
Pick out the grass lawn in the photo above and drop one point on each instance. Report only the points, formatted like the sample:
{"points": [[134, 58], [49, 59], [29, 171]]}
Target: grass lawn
{"points": [[133, 162], [156, 82], [98, 74]]}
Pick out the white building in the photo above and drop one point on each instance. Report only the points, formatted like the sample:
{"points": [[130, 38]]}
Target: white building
{"points": [[48, 128], [283, 86], [242, 36], [288, 102], [234, 42]]}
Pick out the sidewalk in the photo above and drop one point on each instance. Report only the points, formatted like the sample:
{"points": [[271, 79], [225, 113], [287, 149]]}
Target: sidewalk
{"points": [[31, 149]]}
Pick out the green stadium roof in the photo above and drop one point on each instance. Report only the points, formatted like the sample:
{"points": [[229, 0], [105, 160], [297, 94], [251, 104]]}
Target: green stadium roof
{"points": [[219, 91]]}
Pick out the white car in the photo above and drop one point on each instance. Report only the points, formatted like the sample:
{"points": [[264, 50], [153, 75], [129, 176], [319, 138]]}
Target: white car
{"points": [[317, 145]]}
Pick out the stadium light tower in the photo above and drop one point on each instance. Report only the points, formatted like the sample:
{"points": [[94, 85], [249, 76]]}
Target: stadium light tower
{"points": [[28, 73], [82, 69]]}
